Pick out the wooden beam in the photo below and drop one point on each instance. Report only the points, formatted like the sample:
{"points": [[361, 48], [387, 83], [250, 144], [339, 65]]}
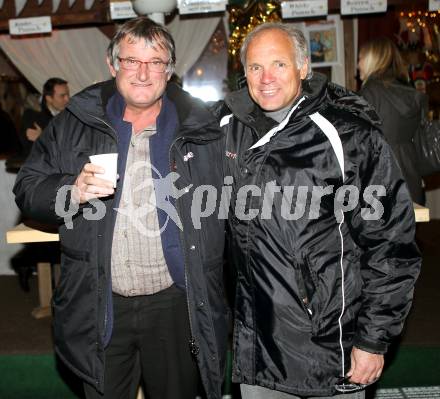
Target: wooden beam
{"points": [[99, 13], [65, 16], [335, 5], [350, 62], [60, 20]]}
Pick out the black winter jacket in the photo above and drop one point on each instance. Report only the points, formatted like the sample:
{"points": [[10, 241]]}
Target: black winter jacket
{"points": [[313, 281], [401, 109], [80, 299], [29, 118]]}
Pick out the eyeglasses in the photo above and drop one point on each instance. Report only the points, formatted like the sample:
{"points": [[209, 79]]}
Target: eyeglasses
{"points": [[131, 64], [344, 385]]}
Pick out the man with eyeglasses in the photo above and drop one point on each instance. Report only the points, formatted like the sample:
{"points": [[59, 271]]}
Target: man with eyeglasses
{"points": [[321, 228], [141, 292]]}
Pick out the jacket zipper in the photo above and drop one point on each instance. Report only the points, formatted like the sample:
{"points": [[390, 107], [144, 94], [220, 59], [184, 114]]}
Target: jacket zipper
{"points": [[105, 123], [192, 344], [304, 298], [194, 349], [257, 177], [114, 138], [301, 283]]}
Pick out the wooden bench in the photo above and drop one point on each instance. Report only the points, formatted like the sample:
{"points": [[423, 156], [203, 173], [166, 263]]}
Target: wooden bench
{"points": [[23, 234]]}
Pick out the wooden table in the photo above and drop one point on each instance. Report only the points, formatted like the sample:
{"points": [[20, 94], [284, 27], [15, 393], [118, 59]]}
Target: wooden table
{"points": [[23, 234], [421, 213]]}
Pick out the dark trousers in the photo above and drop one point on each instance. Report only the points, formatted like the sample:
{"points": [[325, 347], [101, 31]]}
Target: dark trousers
{"points": [[150, 341], [257, 392]]}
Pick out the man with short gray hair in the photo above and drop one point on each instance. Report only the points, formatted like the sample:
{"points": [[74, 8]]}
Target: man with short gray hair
{"points": [[321, 228], [141, 290]]}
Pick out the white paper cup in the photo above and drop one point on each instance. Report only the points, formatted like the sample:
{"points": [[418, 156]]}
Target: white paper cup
{"points": [[110, 164]]}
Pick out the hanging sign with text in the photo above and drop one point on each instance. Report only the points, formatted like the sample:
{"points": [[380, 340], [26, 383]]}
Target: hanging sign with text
{"points": [[30, 26], [122, 10], [434, 5], [349, 7], [201, 6], [304, 9]]}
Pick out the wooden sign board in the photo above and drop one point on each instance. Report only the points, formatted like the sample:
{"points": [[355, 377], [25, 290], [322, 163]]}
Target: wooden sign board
{"points": [[122, 10], [200, 7], [350, 7], [434, 5], [303, 9], [30, 26]]}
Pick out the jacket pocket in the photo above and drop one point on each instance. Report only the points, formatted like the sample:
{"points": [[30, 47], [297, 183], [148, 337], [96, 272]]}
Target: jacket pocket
{"points": [[307, 284], [75, 310], [73, 262], [75, 253], [215, 284], [219, 309]]}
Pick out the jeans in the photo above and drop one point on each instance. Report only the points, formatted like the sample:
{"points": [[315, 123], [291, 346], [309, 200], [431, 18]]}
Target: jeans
{"points": [[256, 392]]}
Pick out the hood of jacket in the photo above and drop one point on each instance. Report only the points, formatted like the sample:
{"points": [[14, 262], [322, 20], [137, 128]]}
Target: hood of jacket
{"points": [[318, 93], [90, 104]]}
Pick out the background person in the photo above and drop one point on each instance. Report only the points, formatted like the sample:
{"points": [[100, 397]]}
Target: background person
{"points": [[54, 99], [133, 301], [385, 86], [320, 295], [9, 143]]}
